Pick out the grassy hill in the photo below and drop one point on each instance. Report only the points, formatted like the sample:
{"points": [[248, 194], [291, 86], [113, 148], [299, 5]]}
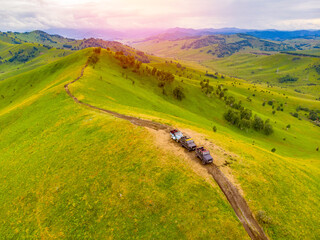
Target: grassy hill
{"points": [[74, 172], [56, 41], [258, 170], [18, 58], [269, 69], [208, 47]]}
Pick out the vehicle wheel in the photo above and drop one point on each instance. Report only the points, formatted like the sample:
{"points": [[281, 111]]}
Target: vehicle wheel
{"points": [[203, 162]]}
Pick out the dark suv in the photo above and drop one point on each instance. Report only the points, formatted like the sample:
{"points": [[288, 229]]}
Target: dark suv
{"points": [[188, 143], [204, 155]]}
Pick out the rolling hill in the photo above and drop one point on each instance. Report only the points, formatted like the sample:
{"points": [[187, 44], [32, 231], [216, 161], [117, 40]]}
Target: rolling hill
{"points": [[71, 171], [211, 46]]}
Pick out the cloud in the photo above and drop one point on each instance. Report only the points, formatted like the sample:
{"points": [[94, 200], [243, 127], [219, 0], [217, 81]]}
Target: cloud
{"points": [[22, 15]]}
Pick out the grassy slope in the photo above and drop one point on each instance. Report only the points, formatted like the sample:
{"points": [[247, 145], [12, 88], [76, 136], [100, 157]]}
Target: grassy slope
{"points": [[34, 37], [71, 172], [42, 56], [270, 69], [267, 178], [171, 49], [186, 49]]}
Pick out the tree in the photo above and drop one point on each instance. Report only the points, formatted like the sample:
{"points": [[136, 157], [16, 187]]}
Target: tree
{"points": [[97, 50], [178, 93], [153, 72], [268, 127], [246, 114], [313, 116], [93, 59], [257, 123]]}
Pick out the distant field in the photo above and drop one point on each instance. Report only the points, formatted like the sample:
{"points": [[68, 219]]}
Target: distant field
{"points": [[309, 52], [268, 69]]}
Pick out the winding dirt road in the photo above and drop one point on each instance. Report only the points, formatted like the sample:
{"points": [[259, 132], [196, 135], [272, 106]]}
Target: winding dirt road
{"points": [[232, 194]]}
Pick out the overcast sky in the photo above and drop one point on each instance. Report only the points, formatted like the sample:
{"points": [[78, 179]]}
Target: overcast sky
{"points": [[21, 15]]}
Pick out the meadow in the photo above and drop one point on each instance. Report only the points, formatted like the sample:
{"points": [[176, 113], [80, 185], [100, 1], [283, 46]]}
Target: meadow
{"points": [[70, 172], [83, 173], [258, 170]]}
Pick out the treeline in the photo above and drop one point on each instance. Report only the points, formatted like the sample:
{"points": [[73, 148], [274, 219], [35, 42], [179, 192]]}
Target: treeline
{"points": [[301, 54], [127, 61], [314, 114], [242, 118], [162, 76], [287, 78], [23, 55], [238, 115]]}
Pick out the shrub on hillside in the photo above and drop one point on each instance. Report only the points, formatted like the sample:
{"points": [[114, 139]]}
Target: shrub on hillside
{"points": [[262, 217], [97, 50], [93, 59], [178, 93], [313, 116], [214, 128]]}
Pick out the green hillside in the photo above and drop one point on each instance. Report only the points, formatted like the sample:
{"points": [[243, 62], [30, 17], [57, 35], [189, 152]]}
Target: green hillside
{"points": [[75, 172], [269, 69], [18, 58], [55, 41], [258, 170], [71, 172], [210, 47]]}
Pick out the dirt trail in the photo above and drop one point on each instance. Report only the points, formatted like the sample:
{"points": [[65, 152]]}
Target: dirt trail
{"points": [[232, 194]]}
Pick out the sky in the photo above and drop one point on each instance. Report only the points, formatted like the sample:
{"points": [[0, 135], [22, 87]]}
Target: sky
{"points": [[25, 15]]}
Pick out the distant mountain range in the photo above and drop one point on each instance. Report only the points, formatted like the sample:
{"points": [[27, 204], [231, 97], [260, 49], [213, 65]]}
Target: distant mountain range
{"points": [[179, 33]]}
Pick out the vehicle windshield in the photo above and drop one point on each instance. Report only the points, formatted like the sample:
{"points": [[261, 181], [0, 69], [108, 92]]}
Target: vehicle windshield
{"points": [[206, 153], [179, 134]]}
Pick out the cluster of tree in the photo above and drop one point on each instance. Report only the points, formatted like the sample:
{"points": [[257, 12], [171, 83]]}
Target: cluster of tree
{"points": [[23, 55], [127, 61], [211, 75], [162, 76], [271, 103], [243, 119], [287, 78], [317, 68], [205, 86], [314, 114], [114, 46], [240, 116], [220, 92], [94, 57], [67, 46], [178, 93], [47, 46]]}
